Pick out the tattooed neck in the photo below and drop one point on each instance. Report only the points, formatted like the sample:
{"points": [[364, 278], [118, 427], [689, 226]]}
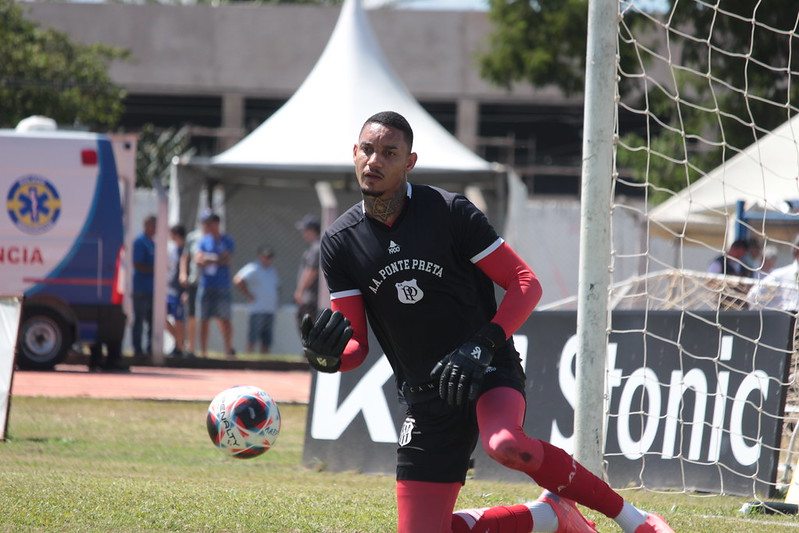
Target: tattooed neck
{"points": [[386, 210]]}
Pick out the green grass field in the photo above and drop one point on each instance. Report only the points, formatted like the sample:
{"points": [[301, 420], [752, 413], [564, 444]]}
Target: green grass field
{"points": [[124, 466]]}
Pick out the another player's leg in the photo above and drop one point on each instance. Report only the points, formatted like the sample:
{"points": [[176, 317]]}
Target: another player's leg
{"points": [[500, 412], [204, 337], [224, 303], [252, 332], [266, 332], [191, 322], [204, 300], [226, 328], [180, 326]]}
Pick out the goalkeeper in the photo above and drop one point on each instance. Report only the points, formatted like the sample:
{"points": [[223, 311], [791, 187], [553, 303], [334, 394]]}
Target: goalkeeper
{"points": [[420, 263]]}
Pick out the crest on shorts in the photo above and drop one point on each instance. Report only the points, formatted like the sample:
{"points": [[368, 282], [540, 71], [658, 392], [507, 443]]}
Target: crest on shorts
{"points": [[406, 432], [409, 292]]}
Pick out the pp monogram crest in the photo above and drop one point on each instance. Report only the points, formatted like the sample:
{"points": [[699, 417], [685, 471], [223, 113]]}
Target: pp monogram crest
{"points": [[409, 292]]}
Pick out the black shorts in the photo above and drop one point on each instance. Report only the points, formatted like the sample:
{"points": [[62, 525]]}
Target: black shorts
{"points": [[437, 440], [191, 300]]}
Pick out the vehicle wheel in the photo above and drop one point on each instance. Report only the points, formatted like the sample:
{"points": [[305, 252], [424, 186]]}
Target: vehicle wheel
{"points": [[44, 339]]}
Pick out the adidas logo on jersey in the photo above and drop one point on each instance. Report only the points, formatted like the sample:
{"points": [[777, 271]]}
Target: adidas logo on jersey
{"points": [[393, 247]]}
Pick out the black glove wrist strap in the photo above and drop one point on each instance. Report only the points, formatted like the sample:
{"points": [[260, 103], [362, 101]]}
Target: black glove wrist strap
{"points": [[492, 336]]}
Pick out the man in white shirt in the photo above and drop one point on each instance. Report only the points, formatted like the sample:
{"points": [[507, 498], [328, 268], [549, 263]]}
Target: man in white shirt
{"points": [[260, 284], [780, 288]]}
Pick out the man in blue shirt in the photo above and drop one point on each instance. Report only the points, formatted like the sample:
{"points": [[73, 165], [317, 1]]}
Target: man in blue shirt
{"points": [[214, 253], [143, 263]]}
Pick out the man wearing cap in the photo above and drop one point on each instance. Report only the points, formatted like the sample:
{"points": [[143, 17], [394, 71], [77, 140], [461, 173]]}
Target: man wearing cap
{"points": [[307, 294]]}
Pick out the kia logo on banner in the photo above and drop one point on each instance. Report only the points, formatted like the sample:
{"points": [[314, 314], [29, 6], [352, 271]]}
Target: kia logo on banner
{"points": [[704, 414]]}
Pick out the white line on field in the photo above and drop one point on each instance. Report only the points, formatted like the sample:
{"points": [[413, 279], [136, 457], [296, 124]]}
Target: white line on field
{"points": [[750, 521]]}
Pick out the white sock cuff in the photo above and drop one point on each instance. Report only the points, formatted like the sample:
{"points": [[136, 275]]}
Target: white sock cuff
{"points": [[544, 518], [630, 518]]}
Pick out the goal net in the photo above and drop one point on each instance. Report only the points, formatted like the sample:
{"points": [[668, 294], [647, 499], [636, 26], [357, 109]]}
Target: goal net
{"points": [[707, 130]]}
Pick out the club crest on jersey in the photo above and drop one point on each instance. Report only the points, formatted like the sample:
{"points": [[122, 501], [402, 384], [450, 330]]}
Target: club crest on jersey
{"points": [[406, 432], [393, 247], [409, 292]]}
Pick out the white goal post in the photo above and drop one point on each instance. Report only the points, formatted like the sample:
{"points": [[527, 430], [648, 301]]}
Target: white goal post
{"points": [[593, 279], [694, 104]]}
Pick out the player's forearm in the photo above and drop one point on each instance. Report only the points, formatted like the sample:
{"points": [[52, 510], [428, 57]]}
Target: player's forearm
{"points": [[358, 346], [240, 284], [522, 288]]}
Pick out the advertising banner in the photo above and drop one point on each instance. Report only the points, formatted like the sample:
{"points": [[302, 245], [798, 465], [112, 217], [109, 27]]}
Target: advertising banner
{"points": [[694, 401]]}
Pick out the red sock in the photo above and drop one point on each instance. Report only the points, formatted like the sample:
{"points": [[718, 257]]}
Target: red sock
{"points": [[515, 519], [563, 475], [500, 413]]}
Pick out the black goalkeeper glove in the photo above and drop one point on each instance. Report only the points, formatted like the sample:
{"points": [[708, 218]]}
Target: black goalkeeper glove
{"points": [[323, 341], [460, 373]]}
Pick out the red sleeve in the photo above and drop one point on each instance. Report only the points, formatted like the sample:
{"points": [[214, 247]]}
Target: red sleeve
{"points": [[523, 290], [358, 347]]}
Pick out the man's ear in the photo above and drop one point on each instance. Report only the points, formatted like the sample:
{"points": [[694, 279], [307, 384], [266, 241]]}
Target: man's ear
{"points": [[411, 162]]}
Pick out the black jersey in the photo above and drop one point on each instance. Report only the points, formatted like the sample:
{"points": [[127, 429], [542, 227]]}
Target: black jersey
{"points": [[422, 292]]}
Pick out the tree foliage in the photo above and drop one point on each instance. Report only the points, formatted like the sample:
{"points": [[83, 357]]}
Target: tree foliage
{"points": [[737, 78], [155, 151], [539, 41], [44, 73]]}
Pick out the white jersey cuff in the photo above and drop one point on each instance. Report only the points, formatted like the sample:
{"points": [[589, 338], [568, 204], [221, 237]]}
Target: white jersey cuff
{"points": [[344, 294], [496, 244]]}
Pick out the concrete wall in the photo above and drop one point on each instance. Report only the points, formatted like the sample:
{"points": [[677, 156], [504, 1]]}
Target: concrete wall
{"points": [[550, 244], [268, 50]]}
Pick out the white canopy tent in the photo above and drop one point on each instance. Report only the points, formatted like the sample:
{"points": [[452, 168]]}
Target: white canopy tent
{"points": [[764, 176], [300, 159], [310, 138]]}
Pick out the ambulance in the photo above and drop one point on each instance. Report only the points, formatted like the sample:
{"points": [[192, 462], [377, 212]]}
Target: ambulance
{"points": [[61, 239]]}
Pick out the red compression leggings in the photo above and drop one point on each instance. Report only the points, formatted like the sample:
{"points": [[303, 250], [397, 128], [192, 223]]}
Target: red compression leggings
{"points": [[426, 507]]}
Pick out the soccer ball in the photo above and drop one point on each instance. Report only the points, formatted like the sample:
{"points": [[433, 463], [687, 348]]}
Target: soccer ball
{"points": [[243, 421]]}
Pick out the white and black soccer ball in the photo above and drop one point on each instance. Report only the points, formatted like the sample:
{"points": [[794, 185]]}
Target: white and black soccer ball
{"points": [[243, 421]]}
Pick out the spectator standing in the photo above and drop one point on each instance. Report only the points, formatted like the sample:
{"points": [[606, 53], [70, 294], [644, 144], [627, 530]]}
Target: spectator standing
{"points": [[111, 362], [770, 256], [260, 284], [189, 278], [306, 296], [175, 310], [214, 254], [753, 259], [780, 288], [143, 264], [732, 263]]}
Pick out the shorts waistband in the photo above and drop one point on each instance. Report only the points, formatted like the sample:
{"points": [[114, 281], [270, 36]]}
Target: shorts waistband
{"points": [[421, 392]]}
